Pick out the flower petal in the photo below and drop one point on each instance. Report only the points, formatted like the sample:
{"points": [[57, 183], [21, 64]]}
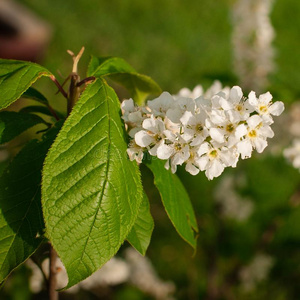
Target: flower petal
{"points": [[215, 169], [266, 131], [143, 139], [202, 162], [260, 144], [164, 151], [265, 98], [252, 99], [191, 169], [217, 134], [253, 121], [244, 148], [276, 108], [241, 131], [188, 119], [128, 105], [236, 94], [204, 148]]}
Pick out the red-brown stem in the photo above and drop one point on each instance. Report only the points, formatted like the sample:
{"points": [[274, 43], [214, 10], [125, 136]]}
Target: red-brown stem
{"points": [[59, 86], [52, 292], [74, 91], [86, 80], [52, 111]]}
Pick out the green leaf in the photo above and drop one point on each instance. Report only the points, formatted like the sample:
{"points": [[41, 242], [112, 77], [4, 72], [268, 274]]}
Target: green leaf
{"points": [[41, 110], [16, 77], [117, 69], [140, 234], [103, 66], [91, 191], [36, 109], [34, 94], [21, 221], [14, 123], [175, 200]]}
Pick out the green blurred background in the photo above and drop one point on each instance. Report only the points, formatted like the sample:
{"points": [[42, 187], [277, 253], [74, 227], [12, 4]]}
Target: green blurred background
{"points": [[182, 44]]}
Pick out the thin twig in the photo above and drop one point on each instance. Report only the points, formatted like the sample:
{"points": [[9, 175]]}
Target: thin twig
{"points": [[86, 80], [53, 294], [62, 85], [52, 111], [59, 86]]}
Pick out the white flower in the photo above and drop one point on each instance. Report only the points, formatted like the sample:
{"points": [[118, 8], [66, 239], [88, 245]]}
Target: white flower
{"points": [[127, 107], [257, 271], [135, 152], [216, 88], [293, 153], [230, 202], [224, 128], [264, 106], [194, 127], [254, 135], [180, 106], [133, 116], [195, 93], [153, 137], [160, 105], [239, 108], [177, 150], [208, 133], [191, 164], [212, 159]]}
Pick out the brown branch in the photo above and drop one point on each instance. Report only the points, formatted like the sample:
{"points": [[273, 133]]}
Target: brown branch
{"points": [[53, 294], [59, 86], [52, 111], [86, 80]]}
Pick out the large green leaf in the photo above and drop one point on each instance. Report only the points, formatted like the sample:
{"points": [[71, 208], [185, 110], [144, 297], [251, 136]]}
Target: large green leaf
{"points": [[14, 123], [175, 200], [21, 221], [16, 77], [117, 69], [91, 191], [140, 234]]}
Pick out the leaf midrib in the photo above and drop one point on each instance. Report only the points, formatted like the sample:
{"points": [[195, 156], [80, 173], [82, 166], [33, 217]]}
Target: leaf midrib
{"points": [[106, 175]]}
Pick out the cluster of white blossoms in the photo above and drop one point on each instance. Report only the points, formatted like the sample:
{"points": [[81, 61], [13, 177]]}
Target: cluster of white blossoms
{"points": [[207, 133], [293, 153], [252, 37]]}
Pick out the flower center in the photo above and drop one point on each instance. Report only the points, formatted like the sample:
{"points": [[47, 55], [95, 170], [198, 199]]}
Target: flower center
{"points": [[177, 146], [229, 127], [213, 154], [252, 133], [157, 137], [239, 107], [199, 128], [263, 109]]}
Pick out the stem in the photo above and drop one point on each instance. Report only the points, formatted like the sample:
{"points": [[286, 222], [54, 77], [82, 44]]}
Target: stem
{"points": [[60, 88], [52, 111], [74, 91], [86, 80], [53, 294]]}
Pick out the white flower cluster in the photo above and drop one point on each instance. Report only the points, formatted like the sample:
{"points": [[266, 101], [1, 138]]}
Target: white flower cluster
{"points": [[231, 204], [257, 271], [293, 154], [252, 39], [135, 269], [206, 133]]}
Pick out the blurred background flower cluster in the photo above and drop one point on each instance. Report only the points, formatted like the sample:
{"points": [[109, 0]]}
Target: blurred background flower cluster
{"points": [[249, 218]]}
